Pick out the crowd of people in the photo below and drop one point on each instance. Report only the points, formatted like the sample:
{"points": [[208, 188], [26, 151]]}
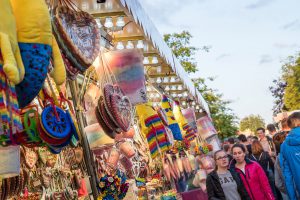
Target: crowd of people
{"points": [[266, 167]]}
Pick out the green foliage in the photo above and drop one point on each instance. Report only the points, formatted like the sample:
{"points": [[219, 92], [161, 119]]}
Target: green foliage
{"points": [[180, 45], [277, 90], [251, 123], [286, 90], [291, 75], [223, 118]]}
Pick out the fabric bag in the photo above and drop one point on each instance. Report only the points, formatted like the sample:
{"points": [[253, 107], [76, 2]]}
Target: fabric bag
{"points": [[127, 66], [10, 161]]}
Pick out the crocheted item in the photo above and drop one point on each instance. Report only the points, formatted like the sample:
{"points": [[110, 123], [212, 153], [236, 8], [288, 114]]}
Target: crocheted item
{"points": [[173, 124], [156, 136], [190, 133], [36, 59]]}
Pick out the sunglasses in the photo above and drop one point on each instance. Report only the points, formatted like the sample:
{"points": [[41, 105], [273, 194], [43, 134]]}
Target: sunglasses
{"points": [[220, 158]]}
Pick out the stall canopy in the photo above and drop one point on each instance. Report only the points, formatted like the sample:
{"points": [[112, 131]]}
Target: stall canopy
{"points": [[128, 26]]}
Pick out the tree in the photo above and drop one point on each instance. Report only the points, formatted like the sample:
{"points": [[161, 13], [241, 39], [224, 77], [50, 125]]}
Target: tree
{"points": [[286, 90], [277, 90], [180, 45], [252, 122], [224, 120], [291, 75]]}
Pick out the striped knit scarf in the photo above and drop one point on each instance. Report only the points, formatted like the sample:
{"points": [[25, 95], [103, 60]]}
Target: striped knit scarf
{"points": [[190, 132], [156, 136]]}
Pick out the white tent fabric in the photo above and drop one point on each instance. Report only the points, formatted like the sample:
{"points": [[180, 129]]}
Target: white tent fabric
{"points": [[142, 19]]}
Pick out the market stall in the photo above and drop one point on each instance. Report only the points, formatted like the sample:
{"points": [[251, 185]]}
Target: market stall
{"points": [[84, 116]]}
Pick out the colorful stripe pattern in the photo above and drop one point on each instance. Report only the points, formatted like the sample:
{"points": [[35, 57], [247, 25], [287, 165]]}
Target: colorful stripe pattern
{"points": [[156, 136], [190, 132], [9, 108], [173, 124], [128, 69]]}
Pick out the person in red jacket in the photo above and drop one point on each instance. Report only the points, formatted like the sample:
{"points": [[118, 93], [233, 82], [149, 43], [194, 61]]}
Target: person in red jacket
{"points": [[252, 174]]}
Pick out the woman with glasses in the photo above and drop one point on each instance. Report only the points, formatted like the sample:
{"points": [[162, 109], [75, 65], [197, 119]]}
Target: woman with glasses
{"points": [[224, 184], [252, 174]]}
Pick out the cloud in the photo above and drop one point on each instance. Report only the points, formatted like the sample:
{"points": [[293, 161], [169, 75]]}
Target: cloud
{"points": [[161, 11], [259, 4], [293, 25], [220, 57], [286, 46], [265, 59]]}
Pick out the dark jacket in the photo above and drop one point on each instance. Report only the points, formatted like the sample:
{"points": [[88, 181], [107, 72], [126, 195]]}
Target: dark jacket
{"points": [[214, 188], [265, 161]]}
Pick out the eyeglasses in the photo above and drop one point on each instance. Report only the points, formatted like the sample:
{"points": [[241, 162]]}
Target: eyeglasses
{"points": [[220, 158]]}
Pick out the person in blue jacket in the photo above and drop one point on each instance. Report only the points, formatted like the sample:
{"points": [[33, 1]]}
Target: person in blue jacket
{"points": [[290, 157]]}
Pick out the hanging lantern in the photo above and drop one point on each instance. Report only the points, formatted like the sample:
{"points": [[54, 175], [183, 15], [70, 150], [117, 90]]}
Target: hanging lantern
{"points": [[158, 80], [146, 61], [172, 79], [129, 45], [98, 23], [140, 44], [120, 46], [120, 21], [108, 22], [166, 80], [179, 87], [154, 60]]}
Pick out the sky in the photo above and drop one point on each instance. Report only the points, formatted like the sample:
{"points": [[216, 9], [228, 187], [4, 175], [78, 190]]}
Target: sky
{"points": [[249, 39]]}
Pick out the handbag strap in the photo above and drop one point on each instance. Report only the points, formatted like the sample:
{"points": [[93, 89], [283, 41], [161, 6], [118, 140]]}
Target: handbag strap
{"points": [[268, 168], [107, 76], [260, 156]]}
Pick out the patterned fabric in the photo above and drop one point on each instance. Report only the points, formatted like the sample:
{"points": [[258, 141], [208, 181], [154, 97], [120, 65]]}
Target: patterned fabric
{"points": [[156, 135], [205, 127], [9, 109], [190, 133], [128, 69], [173, 124], [36, 59]]}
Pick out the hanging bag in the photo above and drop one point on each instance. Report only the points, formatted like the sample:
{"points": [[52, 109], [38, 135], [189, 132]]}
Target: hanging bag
{"points": [[127, 66], [10, 161]]}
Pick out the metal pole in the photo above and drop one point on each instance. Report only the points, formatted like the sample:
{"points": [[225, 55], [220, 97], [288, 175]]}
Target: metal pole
{"points": [[86, 149]]}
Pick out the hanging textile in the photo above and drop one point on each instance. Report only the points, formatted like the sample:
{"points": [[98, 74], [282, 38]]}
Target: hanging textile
{"points": [[205, 127], [153, 129], [173, 124]]}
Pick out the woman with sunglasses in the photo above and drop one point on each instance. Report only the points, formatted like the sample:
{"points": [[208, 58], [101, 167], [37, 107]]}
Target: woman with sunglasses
{"points": [[252, 174], [224, 184]]}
